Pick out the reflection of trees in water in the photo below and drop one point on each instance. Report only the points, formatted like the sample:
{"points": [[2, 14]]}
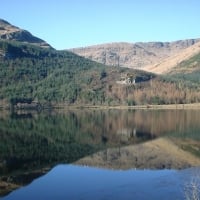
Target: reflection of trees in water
{"points": [[34, 140], [155, 122], [72, 134]]}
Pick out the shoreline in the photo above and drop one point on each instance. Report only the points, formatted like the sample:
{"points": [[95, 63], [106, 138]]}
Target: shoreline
{"points": [[60, 106], [136, 107]]}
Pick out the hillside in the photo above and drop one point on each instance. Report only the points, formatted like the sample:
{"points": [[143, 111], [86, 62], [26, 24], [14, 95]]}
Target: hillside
{"points": [[186, 73], [134, 55], [13, 33], [47, 75], [170, 64], [33, 76]]}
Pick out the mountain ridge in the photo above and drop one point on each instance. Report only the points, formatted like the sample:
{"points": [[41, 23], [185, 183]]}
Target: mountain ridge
{"points": [[13, 33], [169, 64], [133, 55]]}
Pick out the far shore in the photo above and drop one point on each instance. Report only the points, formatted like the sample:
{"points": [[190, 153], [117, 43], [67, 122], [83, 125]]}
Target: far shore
{"points": [[63, 106], [164, 107]]}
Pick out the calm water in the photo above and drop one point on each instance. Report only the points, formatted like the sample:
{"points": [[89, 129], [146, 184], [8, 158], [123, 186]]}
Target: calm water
{"points": [[37, 149], [85, 183]]}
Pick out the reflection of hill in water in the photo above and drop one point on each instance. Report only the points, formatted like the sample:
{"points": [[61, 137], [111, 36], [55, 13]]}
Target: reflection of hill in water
{"points": [[32, 141], [38, 139], [157, 154]]}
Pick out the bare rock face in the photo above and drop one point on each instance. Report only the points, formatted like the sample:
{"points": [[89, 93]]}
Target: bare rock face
{"points": [[10, 32], [134, 55]]}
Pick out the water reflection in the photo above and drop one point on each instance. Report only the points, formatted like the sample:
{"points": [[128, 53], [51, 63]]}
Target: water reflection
{"points": [[32, 143]]}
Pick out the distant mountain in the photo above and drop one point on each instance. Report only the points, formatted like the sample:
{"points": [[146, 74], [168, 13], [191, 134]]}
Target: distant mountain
{"points": [[134, 55], [13, 33], [173, 64]]}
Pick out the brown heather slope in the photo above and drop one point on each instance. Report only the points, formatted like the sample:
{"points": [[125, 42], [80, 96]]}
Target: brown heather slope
{"points": [[168, 64], [135, 55]]}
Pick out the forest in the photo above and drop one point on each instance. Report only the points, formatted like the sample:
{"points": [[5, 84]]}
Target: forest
{"points": [[51, 77]]}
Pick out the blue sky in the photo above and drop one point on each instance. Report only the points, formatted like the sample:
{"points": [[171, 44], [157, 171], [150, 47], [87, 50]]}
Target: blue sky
{"points": [[78, 23]]}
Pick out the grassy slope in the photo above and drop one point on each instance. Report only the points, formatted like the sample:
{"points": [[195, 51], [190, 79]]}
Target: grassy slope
{"points": [[187, 72]]}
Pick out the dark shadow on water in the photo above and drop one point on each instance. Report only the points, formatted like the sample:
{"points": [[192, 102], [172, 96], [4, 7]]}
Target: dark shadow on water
{"points": [[21, 116]]}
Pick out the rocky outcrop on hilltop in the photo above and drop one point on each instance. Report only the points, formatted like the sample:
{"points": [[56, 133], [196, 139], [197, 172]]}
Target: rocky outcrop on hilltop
{"points": [[13, 33]]}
